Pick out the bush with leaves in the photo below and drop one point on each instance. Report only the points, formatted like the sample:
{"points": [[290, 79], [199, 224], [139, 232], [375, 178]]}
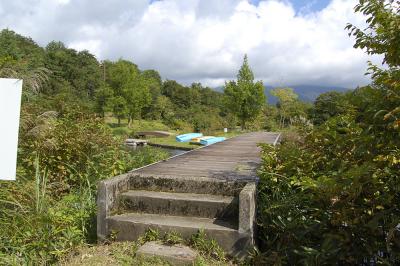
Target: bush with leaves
{"points": [[39, 228], [329, 104], [332, 199], [51, 207], [323, 201], [76, 148]]}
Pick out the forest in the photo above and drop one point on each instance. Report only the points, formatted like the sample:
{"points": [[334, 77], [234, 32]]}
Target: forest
{"points": [[76, 113], [328, 194]]}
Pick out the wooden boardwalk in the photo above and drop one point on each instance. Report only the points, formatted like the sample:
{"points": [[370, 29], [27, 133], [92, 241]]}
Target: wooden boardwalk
{"points": [[235, 159], [210, 188]]}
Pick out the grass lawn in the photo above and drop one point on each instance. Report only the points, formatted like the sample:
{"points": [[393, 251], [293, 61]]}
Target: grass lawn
{"points": [[170, 141], [136, 126], [151, 125]]}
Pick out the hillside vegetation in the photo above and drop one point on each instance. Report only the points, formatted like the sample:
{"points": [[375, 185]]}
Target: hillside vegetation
{"points": [[329, 194]]}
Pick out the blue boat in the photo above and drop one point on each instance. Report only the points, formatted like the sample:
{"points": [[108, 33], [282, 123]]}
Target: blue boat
{"points": [[206, 142], [187, 137]]}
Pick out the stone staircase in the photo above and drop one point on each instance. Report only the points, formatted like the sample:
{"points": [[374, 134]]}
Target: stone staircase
{"points": [[130, 204]]}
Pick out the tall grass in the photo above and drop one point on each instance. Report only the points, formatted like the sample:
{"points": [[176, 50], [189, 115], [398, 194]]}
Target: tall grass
{"points": [[38, 228], [51, 208], [40, 188]]}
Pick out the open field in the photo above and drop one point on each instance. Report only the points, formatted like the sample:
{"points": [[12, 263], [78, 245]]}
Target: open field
{"points": [[170, 141], [136, 126], [153, 125]]}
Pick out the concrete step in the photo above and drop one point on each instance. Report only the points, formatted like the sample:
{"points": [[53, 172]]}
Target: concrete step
{"points": [[129, 227], [185, 184], [177, 255], [180, 204]]}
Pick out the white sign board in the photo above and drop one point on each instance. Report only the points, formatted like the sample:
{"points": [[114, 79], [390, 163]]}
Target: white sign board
{"points": [[10, 105]]}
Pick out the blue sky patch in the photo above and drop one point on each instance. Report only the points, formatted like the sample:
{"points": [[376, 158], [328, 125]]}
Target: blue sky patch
{"points": [[305, 5]]}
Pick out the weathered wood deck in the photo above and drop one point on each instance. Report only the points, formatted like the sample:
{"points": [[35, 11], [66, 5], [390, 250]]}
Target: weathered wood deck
{"points": [[235, 159]]}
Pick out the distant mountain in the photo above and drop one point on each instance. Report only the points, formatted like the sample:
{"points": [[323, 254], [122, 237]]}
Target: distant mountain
{"points": [[307, 93]]}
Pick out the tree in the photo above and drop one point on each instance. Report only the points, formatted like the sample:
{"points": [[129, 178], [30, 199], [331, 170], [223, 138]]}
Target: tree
{"points": [[21, 48], [163, 108], [381, 37], [243, 97], [80, 69], [34, 79], [22, 58], [137, 96], [103, 99], [153, 80], [128, 82], [329, 104], [119, 107], [287, 99], [178, 94], [88, 74], [120, 73]]}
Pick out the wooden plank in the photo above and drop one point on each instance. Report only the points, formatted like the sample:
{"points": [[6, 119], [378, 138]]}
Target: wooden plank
{"points": [[234, 159]]}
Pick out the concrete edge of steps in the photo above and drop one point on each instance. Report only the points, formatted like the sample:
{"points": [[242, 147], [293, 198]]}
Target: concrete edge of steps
{"points": [[184, 184], [129, 227], [242, 238], [179, 204], [177, 255]]}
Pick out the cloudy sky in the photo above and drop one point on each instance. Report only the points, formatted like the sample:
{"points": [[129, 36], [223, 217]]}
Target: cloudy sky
{"points": [[288, 42]]}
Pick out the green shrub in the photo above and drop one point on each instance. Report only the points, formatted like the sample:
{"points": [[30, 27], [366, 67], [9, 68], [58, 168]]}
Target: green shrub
{"points": [[330, 199], [180, 125], [173, 238], [76, 149], [50, 209], [121, 131], [206, 122], [206, 246], [148, 125], [39, 229]]}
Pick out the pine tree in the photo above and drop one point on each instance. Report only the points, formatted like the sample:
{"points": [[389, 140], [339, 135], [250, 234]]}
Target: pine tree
{"points": [[244, 97]]}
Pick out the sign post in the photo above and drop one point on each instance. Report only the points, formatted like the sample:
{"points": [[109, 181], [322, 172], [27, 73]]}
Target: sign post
{"points": [[10, 106]]}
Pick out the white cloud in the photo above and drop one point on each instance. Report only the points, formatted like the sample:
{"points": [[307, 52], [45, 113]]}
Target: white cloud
{"points": [[63, 2], [203, 40]]}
